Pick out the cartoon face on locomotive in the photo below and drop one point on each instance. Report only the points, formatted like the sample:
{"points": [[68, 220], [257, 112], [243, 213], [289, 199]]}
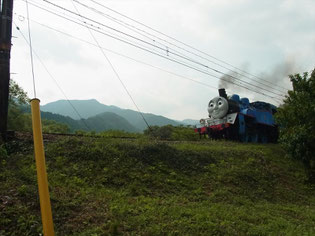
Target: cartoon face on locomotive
{"points": [[237, 119]]}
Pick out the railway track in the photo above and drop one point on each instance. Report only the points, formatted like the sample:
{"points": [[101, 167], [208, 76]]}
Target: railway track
{"points": [[18, 135], [53, 136]]}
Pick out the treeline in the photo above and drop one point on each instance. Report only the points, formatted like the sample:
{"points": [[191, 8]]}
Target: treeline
{"points": [[19, 120], [295, 117]]}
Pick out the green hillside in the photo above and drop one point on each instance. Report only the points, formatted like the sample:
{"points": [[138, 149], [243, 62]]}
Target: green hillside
{"points": [[107, 121], [86, 108], [73, 124], [101, 122], [110, 186], [90, 108], [190, 122]]}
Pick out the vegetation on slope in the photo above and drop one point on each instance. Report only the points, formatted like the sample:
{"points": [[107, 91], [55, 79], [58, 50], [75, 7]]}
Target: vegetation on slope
{"points": [[18, 120], [297, 121], [108, 186], [90, 108], [107, 121]]}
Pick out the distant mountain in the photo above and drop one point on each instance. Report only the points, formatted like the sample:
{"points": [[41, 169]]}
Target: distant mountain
{"points": [[73, 124], [101, 122], [109, 121], [86, 108], [190, 122], [91, 108]]}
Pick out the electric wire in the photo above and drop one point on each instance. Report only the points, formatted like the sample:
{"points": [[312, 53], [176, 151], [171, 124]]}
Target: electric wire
{"points": [[151, 49], [166, 57], [166, 50], [136, 29], [52, 77], [84, 23], [125, 56], [40, 6], [133, 45], [132, 28], [115, 71], [217, 71], [31, 49], [181, 42]]}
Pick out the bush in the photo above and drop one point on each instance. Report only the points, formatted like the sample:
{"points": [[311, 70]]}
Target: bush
{"points": [[296, 118], [173, 133], [19, 120], [3, 152], [163, 132], [51, 126]]}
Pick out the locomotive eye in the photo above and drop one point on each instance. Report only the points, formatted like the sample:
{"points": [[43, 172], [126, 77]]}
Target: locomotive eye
{"points": [[220, 103], [211, 104]]}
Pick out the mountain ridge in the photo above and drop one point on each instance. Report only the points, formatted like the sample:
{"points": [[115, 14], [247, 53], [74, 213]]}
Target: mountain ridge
{"points": [[101, 122], [91, 107]]}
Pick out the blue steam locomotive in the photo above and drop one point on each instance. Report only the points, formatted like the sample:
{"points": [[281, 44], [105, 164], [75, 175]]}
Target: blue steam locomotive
{"points": [[235, 118]]}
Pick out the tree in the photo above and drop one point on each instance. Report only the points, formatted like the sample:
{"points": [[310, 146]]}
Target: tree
{"points": [[17, 120], [296, 119], [51, 126], [20, 120], [17, 95]]}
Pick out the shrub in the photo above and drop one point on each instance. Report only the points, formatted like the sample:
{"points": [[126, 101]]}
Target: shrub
{"points": [[3, 152], [296, 118], [170, 132]]}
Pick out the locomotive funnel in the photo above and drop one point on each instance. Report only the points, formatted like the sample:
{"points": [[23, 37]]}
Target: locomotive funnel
{"points": [[222, 93]]}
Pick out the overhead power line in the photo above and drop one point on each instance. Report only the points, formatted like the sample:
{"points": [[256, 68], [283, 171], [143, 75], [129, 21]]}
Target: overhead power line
{"points": [[73, 18], [116, 73], [53, 78], [31, 48], [133, 37], [123, 55], [181, 42], [165, 57], [143, 32], [242, 82]]}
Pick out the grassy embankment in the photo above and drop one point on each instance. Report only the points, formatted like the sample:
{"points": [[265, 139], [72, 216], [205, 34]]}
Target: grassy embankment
{"points": [[107, 186]]}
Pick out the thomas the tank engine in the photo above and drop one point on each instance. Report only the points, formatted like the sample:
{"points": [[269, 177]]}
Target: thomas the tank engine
{"points": [[238, 119]]}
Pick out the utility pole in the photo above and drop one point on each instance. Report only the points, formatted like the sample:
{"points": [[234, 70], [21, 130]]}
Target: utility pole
{"points": [[5, 52]]}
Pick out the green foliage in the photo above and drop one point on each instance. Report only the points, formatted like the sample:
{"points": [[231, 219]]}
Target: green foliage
{"points": [[81, 133], [51, 126], [17, 95], [184, 133], [296, 118], [119, 134], [163, 132], [99, 123], [127, 118], [20, 121], [17, 98], [170, 132], [110, 186], [3, 152], [73, 124], [106, 121]]}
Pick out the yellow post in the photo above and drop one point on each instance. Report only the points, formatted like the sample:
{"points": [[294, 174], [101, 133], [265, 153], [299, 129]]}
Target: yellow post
{"points": [[45, 206]]}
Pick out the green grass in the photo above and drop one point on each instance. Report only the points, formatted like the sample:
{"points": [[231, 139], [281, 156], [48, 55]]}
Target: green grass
{"points": [[110, 186]]}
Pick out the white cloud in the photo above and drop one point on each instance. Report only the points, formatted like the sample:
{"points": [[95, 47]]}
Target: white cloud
{"points": [[261, 34]]}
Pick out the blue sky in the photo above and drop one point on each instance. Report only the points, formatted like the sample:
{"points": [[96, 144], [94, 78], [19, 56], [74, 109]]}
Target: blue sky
{"points": [[269, 39]]}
